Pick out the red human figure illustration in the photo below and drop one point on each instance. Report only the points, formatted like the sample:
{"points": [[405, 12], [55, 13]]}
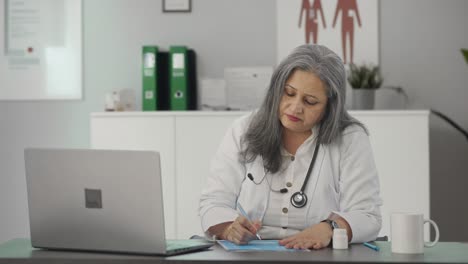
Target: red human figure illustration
{"points": [[311, 15], [346, 7]]}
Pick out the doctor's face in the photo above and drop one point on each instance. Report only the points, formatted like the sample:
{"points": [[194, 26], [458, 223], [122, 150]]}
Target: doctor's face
{"points": [[303, 103]]}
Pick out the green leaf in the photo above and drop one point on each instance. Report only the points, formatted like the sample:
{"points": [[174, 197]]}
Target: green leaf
{"points": [[465, 54], [364, 76]]}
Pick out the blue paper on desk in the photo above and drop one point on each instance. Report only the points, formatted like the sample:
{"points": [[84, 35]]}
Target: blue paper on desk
{"points": [[255, 245]]}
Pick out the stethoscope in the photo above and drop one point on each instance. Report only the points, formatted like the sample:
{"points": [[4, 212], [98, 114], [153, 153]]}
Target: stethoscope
{"points": [[298, 199]]}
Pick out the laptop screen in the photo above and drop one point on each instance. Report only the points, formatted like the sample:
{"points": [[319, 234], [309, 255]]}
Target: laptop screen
{"points": [[100, 200]]}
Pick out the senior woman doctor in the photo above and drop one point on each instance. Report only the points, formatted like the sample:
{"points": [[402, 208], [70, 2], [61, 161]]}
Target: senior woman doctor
{"points": [[300, 165]]}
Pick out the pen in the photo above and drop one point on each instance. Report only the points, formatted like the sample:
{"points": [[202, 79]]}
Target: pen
{"points": [[374, 247], [244, 214]]}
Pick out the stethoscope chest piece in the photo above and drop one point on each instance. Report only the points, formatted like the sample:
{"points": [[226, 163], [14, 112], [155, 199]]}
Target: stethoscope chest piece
{"points": [[299, 199]]}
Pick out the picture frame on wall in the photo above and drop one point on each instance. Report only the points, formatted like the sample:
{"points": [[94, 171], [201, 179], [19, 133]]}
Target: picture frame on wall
{"points": [[175, 6]]}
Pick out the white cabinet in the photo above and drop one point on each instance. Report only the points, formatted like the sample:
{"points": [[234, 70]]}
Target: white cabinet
{"points": [[197, 139], [140, 132], [188, 140]]}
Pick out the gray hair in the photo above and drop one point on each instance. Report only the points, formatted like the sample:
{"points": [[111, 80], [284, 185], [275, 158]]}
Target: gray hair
{"points": [[264, 134]]}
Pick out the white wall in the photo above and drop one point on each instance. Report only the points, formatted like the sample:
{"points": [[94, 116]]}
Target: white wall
{"points": [[420, 42], [222, 32], [420, 51]]}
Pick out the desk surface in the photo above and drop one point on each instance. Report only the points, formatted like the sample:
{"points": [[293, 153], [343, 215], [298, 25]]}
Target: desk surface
{"points": [[20, 251]]}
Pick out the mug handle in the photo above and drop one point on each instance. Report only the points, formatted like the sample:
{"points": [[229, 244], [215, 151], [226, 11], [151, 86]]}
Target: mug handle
{"points": [[431, 244]]}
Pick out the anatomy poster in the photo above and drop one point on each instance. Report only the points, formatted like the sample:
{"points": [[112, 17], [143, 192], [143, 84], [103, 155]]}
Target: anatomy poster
{"points": [[348, 27], [40, 49]]}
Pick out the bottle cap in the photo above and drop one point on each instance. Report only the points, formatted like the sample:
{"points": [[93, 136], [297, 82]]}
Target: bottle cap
{"points": [[339, 232]]}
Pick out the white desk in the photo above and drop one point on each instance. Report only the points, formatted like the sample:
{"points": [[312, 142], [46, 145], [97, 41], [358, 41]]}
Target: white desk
{"points": [[188, 140]]}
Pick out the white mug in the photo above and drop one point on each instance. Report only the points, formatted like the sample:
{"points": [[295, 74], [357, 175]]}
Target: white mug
{"points": [[407, 233]]}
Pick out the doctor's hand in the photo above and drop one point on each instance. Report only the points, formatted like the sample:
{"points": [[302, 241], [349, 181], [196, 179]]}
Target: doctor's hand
{"points": [[241, 231], [315, 237]]}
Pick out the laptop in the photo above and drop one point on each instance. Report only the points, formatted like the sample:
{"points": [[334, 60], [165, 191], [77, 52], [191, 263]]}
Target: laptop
{"points": [[99, 200]]}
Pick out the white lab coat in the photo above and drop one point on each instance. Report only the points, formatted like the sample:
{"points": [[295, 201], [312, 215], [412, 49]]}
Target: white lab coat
{"points": [[344, 181]]}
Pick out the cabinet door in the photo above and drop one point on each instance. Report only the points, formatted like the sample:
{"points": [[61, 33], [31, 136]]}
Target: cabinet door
{"points": [[143, 133], [197, 139]]}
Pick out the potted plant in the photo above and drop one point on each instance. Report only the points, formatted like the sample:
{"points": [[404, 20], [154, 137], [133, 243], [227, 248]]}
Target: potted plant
{"points": [[364, 79]]}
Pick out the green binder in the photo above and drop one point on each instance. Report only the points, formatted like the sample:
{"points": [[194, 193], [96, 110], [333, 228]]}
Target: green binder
{"points": [[150, 78], [178, 81]]}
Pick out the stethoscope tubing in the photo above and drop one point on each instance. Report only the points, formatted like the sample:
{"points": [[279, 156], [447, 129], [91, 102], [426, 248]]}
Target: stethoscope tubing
{"points": [[298, 199]]}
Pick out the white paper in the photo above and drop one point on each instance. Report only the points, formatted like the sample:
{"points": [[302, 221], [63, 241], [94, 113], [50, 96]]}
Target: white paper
{"points": [[149, 60], [178, 61], [213, 94], [246, 87]]}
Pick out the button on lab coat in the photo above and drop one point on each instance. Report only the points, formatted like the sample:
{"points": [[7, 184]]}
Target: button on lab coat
{"points": [[344, 181]]}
